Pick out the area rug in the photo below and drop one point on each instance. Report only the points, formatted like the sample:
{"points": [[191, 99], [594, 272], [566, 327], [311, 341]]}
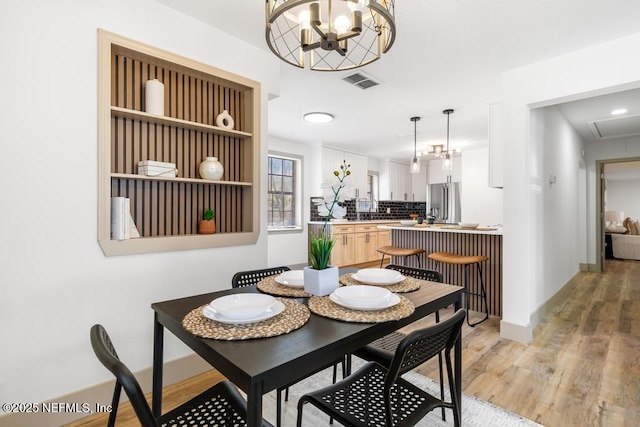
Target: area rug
{"points": [[475, 412]]}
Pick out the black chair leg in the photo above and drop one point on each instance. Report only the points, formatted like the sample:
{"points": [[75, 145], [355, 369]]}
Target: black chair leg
{"points": [[440, 374], [482, 294]]}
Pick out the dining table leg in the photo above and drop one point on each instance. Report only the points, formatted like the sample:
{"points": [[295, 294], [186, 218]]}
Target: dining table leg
{"points": [[254, 405], [158, 347]]}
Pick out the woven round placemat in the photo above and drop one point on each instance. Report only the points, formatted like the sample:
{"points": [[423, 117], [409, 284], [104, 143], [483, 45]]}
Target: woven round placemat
{"points": [[268, 285], [407, 285], [323, 306], [292, 317]]}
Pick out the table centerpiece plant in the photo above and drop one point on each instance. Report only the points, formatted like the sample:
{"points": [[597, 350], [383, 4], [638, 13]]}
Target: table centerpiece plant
{"points": [[320, 278]]}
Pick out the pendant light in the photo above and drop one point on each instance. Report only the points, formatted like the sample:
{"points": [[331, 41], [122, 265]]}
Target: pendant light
{"points": [[415, 165], [447, 165]]}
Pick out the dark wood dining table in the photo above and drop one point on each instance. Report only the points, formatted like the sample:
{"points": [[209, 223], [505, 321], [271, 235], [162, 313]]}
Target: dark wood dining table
{"points": [[258, 366]]}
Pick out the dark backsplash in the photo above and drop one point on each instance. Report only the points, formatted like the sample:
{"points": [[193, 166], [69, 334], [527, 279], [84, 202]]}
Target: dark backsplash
{"points": [[397, 210]]}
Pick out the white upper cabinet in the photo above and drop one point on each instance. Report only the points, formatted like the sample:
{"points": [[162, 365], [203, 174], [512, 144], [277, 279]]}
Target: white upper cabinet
{"points": [[332, 160], [495, 145], [419, 185], [439, 176], [395, 181]]}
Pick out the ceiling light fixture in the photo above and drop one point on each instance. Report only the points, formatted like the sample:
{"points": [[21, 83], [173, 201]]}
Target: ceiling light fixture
{"points": [[447, 164], [415, 164], [618, 111], [337, 34], [318, 117]]}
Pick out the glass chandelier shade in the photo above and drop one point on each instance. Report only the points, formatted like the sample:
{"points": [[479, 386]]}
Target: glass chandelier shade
{"points": [[334, 35]]}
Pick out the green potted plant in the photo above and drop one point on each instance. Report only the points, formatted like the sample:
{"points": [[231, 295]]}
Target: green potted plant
{"points": [[207, 225], [320, 278]]}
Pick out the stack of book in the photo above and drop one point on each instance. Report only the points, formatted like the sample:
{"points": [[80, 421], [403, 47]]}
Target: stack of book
{"points": [[122, 225]]}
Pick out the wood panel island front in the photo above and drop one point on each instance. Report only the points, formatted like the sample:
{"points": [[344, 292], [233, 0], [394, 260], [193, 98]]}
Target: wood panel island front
{"points": [[461, 241]]}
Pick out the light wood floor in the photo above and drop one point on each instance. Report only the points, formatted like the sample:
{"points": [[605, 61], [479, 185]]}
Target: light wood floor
{"points": [[582, 368]]}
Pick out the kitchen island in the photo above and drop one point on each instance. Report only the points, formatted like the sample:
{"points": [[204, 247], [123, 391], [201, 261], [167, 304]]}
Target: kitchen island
{"points": [[463, 241]]}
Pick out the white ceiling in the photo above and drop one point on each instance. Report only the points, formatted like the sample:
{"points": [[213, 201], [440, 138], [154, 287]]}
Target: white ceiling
{"points": [[447, 54]]}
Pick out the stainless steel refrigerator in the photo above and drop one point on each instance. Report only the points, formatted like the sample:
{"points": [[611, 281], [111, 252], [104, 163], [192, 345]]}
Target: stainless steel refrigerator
{"points": [[444, 202]]}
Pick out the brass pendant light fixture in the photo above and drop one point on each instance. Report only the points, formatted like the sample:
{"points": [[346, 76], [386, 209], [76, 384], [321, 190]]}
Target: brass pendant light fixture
{"points": [[335, 34]]}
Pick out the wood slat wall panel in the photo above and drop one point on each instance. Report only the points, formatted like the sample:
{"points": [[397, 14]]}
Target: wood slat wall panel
{"points": [[464, 244], [165, 208]]}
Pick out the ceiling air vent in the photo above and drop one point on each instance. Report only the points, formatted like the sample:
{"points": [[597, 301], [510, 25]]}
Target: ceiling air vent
{"points": [[361, 80], [616, 128]]}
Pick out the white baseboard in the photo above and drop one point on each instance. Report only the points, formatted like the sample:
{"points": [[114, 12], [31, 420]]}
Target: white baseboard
{"points": [[514, 332], [101, 394], [524, 333]]}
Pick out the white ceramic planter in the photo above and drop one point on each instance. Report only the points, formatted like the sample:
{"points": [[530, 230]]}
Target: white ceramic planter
{"points": [[321, 282]]}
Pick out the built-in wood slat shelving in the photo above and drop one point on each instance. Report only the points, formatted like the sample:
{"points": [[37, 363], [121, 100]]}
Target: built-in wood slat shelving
{"points": [[166, 210]]}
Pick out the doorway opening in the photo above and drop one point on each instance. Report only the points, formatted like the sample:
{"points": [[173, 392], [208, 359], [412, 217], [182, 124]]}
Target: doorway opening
{"points": [[616, 196]]}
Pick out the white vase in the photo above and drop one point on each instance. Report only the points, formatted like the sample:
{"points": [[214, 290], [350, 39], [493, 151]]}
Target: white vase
{"points": [[224, 120], [321, 282], [211, 168]]}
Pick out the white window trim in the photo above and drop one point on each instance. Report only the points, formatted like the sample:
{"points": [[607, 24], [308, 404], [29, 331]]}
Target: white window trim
{"points": [[299, 167]]}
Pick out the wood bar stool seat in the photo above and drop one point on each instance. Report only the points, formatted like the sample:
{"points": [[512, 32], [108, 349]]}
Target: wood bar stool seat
{"points": [[400, 252], [466, 261]]}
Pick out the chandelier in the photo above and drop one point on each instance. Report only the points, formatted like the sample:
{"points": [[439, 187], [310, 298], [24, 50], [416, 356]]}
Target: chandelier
{"points": [[334, 34]]}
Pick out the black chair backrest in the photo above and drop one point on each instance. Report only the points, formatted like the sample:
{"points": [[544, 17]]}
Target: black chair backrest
{"points": [[106, 353], [423, 344], [417, 273], [252, 277]]}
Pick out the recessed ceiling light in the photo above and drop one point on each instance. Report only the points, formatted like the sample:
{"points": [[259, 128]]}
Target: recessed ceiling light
{"points": [[618, 111], [318, 117]]}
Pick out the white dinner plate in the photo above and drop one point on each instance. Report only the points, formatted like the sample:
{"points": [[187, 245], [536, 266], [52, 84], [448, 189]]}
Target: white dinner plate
{"points": [[390, 301], [242, 306], [274, 310], [378, 276], [362, 295], [293, 278]]}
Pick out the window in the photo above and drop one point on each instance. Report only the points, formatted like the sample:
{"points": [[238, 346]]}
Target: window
{"points": [[283, 206]]}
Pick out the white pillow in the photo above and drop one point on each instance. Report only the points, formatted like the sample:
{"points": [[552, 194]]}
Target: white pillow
{"points": [[620, 229]]}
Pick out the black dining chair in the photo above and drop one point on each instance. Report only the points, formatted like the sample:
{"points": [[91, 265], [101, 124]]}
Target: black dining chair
{"points": [[250, 278], [378, 396], [383, 349], [220, 405]]}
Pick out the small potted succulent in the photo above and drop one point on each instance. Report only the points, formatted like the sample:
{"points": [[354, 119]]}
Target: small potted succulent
{"points": [[208, 224]]}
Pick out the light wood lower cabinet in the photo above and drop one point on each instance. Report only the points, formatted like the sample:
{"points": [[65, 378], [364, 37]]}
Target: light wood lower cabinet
{"points": [[366, 242], [343, 252]]}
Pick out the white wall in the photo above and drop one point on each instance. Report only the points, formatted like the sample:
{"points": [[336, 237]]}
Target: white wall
{"points": [[479, 202], [623, 195], [593, 71], [55, 280], [557, 153], [291, 247]]}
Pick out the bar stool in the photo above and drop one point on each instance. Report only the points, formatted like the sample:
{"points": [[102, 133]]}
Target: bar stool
{"points": [[401, 252], [467, 261]]}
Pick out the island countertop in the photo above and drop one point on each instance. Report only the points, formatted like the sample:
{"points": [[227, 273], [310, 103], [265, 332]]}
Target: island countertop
{"points": [[444, 229]]}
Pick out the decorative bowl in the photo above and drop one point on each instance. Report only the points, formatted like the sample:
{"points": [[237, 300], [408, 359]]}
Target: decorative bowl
{"points": [[408, 222], [468, 224]]}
